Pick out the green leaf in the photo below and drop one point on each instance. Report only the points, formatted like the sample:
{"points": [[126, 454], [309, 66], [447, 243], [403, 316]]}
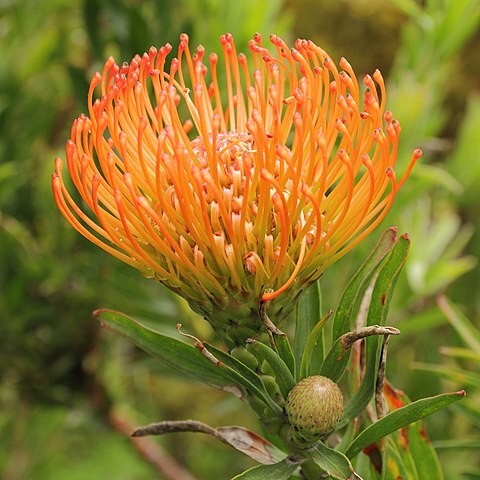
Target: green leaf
{"points": [[397, 462], [470, 410], [445, 272], [91, 15], [283, 376], [385, 283], [421, 448], [463, 326], [462, 377], [279, 471], [458, 444], [353, 294], [401, 418], [335, 463], [174, 353], [285, 351], [308, 314], [377, 315], [471, 473], [352, 297], [407, 445], [313, 355], [347, 437], [422, 322], [180, 356], [461, 353]]}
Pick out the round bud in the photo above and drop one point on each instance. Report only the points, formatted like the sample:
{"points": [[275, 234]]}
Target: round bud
{"points": [[314, 406]]}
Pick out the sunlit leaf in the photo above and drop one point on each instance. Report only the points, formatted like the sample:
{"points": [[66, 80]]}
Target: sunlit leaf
{"points": [[398, 462], [410, 443]]}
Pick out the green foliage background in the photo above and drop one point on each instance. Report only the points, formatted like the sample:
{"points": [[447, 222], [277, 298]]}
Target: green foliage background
{"points": [[65, 386]]}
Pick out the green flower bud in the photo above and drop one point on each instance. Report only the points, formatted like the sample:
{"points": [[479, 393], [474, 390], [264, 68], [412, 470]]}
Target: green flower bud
{"points": [[314, 406]]}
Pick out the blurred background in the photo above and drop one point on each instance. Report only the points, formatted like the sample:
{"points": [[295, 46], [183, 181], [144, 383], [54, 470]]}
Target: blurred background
{"points": [[69, 392]]}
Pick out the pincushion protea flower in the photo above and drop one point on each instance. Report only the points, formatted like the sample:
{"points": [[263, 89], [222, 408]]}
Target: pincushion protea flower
{"points": [[235, 191]]}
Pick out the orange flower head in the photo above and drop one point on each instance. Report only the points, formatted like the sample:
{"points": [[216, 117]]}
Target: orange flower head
{"points": [[231, 180]]}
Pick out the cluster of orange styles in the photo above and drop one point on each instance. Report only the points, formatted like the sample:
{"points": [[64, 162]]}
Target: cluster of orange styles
{"points": [[231, 180]]}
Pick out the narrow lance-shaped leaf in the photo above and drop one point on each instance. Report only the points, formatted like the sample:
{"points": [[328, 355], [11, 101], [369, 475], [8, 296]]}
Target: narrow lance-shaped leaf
{"points": [[464, 327], [278, 339], [377, 314], [458, 444], [307, 316], [313, 355], [280, 471], [400, 418], [284, 349], [352, 297], [461, 353], [355, 290], [177, 355], [251, 444]]}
